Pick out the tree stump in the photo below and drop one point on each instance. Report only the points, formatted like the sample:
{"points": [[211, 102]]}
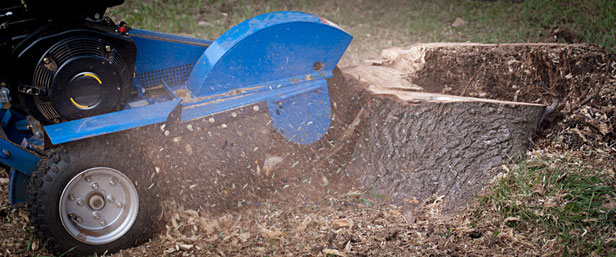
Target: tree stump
{"points": [[441, 119], [415, 145]]}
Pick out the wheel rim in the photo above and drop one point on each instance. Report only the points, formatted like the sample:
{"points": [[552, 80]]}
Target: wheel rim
{"points": [[99, 205]]}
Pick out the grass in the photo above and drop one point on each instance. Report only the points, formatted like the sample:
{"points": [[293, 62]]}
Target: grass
{"points": [[378, 24], [556, 200]]}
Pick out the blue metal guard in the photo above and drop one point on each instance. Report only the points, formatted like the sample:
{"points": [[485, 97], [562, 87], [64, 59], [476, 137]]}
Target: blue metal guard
{"points": [[270, 47], [167, 57], [282, 58]]}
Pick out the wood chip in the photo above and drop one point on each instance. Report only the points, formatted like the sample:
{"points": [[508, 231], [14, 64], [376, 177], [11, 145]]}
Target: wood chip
{"points": [[333, 252], [272, 234], [342, 223], [185, 247]]}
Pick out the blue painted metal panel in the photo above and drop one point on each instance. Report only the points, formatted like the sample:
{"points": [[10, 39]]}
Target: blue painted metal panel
{"points": [[22, 125], [167, 57], [13, 125], [269, 47], [6, 118], [169, 37], [17, 157], [23, 162], [302, 116], [110, 122], [194, 111], [18, 182]]}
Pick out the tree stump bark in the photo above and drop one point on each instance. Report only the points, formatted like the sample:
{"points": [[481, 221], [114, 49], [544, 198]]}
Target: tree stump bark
{"points": [[418, 145]]}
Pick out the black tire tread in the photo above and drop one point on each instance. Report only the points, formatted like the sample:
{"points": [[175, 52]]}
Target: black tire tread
{"points": [[42, 183], [36, 208]]}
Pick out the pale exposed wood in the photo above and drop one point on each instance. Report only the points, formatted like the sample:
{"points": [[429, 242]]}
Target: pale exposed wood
{"points": [[416, 97], [381, 77]]}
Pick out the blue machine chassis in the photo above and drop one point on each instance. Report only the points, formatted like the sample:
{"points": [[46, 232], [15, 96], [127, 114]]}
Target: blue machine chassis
{"points": [[281, 58]]}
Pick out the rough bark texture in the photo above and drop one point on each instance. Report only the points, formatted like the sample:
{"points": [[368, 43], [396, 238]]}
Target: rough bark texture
{"points": [[411, 152]]}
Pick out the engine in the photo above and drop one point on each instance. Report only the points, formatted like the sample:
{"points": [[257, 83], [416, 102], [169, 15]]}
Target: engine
{"points": [[63, 60]]}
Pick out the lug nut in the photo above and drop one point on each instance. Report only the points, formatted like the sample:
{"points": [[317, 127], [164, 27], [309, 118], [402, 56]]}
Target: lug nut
{"points": [[87, 178], [112, 181], [71, 197], [119, 204], [78, 219], [110, 199], [96, 216], [102, 222], [80, 202], [95, 186]]}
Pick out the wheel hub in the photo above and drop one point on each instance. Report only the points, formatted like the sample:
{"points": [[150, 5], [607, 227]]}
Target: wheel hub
{"points": [[96, 201], [99, 205]]}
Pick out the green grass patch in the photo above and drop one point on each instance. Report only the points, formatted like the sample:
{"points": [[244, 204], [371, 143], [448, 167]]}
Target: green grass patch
{"points": [[399, 22], [556, 200]]}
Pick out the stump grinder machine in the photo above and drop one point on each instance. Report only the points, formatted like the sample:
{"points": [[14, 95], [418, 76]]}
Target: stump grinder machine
{"points": [[68, 74]]}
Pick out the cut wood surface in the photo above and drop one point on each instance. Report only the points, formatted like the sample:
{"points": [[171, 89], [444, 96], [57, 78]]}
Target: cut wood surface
{"points": [[526, 72], [382, 77]]}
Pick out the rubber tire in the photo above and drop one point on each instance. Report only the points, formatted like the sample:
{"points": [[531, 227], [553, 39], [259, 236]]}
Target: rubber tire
{"points": [[48, 182]]}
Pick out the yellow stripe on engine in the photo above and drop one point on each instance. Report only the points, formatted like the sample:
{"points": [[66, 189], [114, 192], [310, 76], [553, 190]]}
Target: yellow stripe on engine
{"points": [[93, 76], [79, 105]]}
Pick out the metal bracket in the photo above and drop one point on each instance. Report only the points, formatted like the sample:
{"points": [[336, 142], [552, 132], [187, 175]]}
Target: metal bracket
{"points": [[5, 97], [31, 90]]}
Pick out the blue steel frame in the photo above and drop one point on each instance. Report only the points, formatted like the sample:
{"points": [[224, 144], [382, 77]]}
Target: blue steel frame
{"points": [[15, 153], [281, 58]]}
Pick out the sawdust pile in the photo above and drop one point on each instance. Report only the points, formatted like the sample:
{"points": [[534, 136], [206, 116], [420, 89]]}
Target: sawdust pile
{"points": [[353, 224]]}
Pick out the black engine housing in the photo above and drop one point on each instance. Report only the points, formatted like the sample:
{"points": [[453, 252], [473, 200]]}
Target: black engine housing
{"points": [[66, 67]]}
